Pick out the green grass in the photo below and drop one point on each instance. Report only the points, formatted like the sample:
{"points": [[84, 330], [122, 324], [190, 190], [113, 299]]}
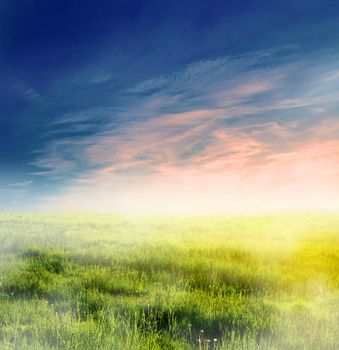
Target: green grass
{"points": [[122, 282]]}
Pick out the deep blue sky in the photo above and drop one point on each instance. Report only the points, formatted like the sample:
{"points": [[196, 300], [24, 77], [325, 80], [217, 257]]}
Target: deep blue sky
{"points": [[76, 75]]}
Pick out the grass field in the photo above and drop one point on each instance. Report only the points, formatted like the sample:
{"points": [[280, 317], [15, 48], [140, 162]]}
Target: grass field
{"points": [[122, 282]]}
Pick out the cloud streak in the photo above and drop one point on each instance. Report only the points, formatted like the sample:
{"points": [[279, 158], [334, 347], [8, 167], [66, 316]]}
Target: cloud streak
{"points": [[236, 129], [21, 184]]}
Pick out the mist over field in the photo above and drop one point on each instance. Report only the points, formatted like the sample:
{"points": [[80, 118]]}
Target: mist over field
{"points": [[124, 282], [169, 175]]}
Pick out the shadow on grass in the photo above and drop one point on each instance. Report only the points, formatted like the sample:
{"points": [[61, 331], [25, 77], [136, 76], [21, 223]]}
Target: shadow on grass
{"points": [[189, 321], [36, 275], [54, 276], [88, 293]]}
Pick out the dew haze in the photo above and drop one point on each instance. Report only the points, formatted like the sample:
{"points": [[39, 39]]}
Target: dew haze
{"points": [[169, 174], [134, 282]]}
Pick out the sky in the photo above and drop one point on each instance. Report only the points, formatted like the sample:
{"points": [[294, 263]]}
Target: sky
{"points": [[169, 106]]}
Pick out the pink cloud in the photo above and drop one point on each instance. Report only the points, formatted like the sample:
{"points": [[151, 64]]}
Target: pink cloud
{"points": [[192, 161], [232, 173]]}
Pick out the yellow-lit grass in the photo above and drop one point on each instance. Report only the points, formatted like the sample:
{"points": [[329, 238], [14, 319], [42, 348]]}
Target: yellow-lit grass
{"points": [[121, 282]]}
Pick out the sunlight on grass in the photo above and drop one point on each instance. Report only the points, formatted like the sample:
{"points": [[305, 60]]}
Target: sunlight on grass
{"points": [[120, 282]]}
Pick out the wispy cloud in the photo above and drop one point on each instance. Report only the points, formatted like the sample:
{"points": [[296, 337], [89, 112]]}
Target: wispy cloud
{"points": [[232, 126], [21, 184]]}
